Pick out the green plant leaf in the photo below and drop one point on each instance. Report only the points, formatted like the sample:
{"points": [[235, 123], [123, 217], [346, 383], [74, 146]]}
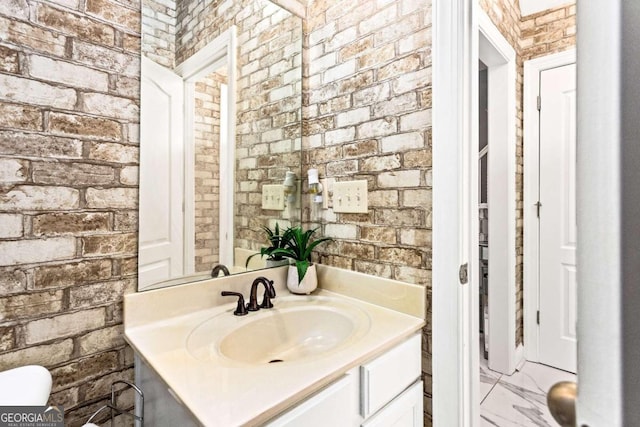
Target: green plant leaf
{"points": [[298, 246], [276, 240], [302, 267], [246, 264], [286, 253], [313, 245]]}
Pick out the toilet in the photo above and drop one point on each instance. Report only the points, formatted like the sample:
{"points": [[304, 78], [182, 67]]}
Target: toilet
{"points": [[25, 386]]}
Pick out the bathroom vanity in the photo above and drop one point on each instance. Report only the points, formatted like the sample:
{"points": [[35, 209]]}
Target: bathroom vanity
{"points": [[348, 355], [383, 391]]}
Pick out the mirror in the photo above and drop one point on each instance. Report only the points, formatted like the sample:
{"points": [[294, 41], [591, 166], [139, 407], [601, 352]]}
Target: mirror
{"points": [[215, 130]]}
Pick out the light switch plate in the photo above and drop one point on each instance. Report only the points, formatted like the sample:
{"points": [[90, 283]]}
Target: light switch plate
{"points": [[350, 197], [273, 197]]}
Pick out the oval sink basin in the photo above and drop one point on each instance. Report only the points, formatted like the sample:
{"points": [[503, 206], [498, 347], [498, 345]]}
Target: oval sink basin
{"points": [[290, 332], [287, 336]]}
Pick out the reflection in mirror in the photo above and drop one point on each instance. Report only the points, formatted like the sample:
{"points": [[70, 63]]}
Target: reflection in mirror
{"points": [[219, 131], [191, 152], [209, 135]]}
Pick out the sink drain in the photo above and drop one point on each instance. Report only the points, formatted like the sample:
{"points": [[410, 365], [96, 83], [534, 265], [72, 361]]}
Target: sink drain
{"points": [[276, 361]]}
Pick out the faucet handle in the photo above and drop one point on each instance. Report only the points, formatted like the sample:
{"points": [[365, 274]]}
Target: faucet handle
{"points": [[240, 310], [269, 292], [272, 290]]}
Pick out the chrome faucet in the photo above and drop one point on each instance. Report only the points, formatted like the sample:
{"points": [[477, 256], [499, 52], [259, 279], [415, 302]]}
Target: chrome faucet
{"points": [[269, 292], [218, 268]]}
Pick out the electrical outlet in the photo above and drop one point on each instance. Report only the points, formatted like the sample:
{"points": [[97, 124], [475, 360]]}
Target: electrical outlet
{"points": [[350, 197], [273, 197]]}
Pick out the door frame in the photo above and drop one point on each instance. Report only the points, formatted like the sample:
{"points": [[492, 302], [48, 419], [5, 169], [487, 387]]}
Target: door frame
{"points": [[456, 50], [531, 178], [602, 344], [456, 396], [218, 52], [500, 57]]}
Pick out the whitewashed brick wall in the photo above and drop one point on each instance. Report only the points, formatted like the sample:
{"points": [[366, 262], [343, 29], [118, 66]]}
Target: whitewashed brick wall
{"points": [[159, 31], [69, 79], [367, 115], [548, 32], [207, 171]]}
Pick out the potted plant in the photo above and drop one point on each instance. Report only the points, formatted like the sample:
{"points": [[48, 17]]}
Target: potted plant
{"points": [[276, 241], [302, 278]]}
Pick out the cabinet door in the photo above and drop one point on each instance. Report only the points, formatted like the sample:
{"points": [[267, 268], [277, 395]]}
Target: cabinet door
{"points": [[335, 406], [403, 411], [388, 375], [161, 407]]}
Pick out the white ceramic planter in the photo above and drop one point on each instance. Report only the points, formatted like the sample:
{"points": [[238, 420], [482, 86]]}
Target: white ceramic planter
{"points": [[271, 263], [309, 282]]}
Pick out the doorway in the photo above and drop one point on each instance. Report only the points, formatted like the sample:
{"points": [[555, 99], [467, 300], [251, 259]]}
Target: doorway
{"points": [[607, 168], [483, 223], [550, 284], [496, 137]]}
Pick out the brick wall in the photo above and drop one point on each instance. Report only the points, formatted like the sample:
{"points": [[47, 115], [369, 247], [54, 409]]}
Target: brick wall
{"points": [[531, 36], [548, 32], [159, 31], [207, 171], [268, 108], [367, 115], [69, 73]]}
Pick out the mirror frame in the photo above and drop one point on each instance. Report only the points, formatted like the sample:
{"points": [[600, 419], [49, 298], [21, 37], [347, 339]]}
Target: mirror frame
{"points": [[211, 57]]}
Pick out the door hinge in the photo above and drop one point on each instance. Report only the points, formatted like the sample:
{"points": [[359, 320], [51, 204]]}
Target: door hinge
{"points": [[538, 206], [538, 317], [464, 273], [539, 103]]}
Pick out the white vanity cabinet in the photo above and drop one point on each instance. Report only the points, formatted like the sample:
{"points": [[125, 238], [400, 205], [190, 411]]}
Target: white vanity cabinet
{"points": [[162, 408], [384, 392], [370, 378], [336, 405]]}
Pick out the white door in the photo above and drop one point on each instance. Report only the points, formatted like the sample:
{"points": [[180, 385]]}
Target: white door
{"points": [[558, 285], [161, 220]]}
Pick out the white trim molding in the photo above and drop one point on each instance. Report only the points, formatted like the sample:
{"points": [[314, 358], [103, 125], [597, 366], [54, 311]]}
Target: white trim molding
{"points": [[529, 7], [531, 178], [455, 393]]}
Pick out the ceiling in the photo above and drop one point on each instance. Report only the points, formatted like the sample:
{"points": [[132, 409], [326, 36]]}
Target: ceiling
{"points": [[528, 7]]}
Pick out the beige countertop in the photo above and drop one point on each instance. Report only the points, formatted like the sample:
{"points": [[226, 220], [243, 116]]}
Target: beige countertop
{"points": [[222, 392]]}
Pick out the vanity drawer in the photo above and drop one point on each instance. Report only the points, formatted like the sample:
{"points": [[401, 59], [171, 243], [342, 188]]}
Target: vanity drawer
{"points": [[385, 377], [335, 405]]}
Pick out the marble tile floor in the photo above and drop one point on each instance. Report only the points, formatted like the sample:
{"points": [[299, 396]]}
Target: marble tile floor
{"points": [[519, 399]]}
